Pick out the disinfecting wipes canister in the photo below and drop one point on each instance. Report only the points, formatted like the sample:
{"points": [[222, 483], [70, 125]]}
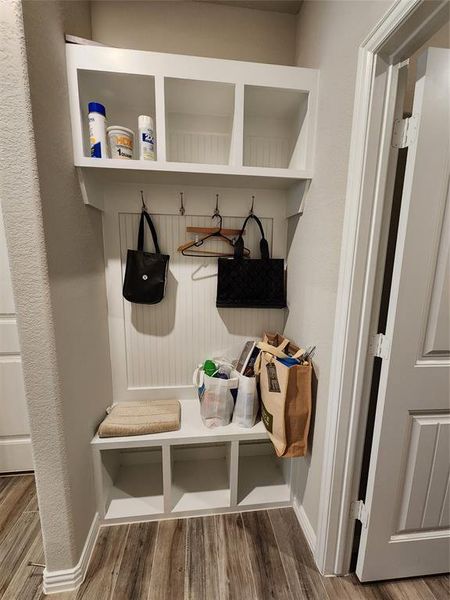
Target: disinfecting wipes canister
{"points": [[121, 142], [97, 129]]}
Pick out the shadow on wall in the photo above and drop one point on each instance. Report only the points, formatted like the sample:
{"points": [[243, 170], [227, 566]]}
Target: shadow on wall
{"points": [[292, 227], [247, 321], [163, 326], [314, 385], [303, 464]]}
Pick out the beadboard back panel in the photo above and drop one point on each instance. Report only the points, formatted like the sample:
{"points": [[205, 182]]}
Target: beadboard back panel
{"points": [[204, 148], [155, 348], [267, 151]]}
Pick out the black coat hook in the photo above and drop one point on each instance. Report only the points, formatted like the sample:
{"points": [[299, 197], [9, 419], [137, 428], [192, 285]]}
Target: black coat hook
{"points": [[181, 211], [216, 210], [144, 206], [253, 205]]}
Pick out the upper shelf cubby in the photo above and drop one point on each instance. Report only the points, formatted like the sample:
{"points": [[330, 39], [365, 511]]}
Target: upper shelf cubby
{"points": [[199, 121], [275, 127], [247, 122], [125, 96]]}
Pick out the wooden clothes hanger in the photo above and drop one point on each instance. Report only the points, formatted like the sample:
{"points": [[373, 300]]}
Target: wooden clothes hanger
{"points": [[192, 248]]}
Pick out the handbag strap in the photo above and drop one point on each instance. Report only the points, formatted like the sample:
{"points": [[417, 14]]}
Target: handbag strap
{"points": [[146, 217], [263, 245]]}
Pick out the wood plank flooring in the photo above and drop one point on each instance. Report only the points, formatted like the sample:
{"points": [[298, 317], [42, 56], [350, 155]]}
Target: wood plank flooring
{"points": [[245, 556]]}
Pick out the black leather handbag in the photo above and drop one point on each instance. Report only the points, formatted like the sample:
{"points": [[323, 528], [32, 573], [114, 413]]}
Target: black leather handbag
{"points": [[146, 273], [251, 283]]}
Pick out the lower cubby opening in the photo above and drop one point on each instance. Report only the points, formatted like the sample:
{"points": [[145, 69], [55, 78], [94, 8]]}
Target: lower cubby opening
{"points": [[133, 483], [263, 478], [200, 477]]}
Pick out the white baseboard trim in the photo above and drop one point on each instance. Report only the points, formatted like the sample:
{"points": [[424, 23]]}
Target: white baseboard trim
{"points": [[67, 580], [305, 524], [15, 454]]}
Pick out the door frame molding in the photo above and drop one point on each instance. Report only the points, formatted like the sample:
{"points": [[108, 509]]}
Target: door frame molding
{"points": [[402, 30]]}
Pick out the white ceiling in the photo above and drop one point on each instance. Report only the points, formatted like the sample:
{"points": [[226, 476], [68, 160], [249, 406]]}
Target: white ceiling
{"points": [[291, 7]]}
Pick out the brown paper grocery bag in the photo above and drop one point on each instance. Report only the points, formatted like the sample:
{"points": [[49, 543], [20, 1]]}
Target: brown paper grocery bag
{"points": [[285, 395]]}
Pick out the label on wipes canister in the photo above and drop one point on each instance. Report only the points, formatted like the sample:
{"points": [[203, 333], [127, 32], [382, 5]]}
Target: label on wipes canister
{"points": [[121, 146]]}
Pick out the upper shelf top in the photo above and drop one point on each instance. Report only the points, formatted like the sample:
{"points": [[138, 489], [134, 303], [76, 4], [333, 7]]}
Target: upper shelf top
{"points": [[211, 116]]}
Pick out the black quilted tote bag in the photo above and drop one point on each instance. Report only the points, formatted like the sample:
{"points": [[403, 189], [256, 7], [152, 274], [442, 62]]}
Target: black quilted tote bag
{"points": [[146, 273], [251, 283]]}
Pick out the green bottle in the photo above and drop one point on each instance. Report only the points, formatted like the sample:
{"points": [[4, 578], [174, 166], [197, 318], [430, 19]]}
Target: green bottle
{"points": [[209, 367]]}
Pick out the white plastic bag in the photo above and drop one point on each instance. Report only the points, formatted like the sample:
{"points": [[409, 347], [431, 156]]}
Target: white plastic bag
{"points": [[216, 397], [247, 402]]}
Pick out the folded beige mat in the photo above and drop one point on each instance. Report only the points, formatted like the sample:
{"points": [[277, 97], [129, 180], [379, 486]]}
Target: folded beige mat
{"points": [[140, 418]]}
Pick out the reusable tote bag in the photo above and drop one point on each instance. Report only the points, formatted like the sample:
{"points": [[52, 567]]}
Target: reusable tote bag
{"points": [[146, 273], [251, 283], [217, 396], [246, 407], [285, 395]]}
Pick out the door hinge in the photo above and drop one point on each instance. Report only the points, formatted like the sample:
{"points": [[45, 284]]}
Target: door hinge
{"points": [[404, 132], [358, 511], [379, 346]]}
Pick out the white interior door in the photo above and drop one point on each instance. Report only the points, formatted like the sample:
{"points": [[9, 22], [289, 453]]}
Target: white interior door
{"points": [[15, 444], [407, 500]]}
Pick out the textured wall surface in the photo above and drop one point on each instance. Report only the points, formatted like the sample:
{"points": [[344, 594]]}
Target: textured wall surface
{"points": [[328, 37], [20, 197], [55, 248], [196, 28], [73, 236]]}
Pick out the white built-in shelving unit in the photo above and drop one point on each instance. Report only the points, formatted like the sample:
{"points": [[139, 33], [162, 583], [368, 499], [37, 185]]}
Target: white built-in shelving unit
{"points": [[219, 122], [192, 471]]}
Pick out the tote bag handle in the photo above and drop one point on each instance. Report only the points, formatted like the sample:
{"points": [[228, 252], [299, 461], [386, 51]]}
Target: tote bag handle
{"points": [[274, 351], [263, 245], [146, 217]]}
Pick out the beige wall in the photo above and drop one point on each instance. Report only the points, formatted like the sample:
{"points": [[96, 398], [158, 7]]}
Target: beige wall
{"points": [[56, 254], [328, 36], [196, 28], [74, 244], [441, 39]]}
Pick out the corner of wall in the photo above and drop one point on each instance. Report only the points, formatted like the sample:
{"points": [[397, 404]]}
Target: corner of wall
{"points": [[325, 42], [21, 206], [56, 255], [305, 524]]}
